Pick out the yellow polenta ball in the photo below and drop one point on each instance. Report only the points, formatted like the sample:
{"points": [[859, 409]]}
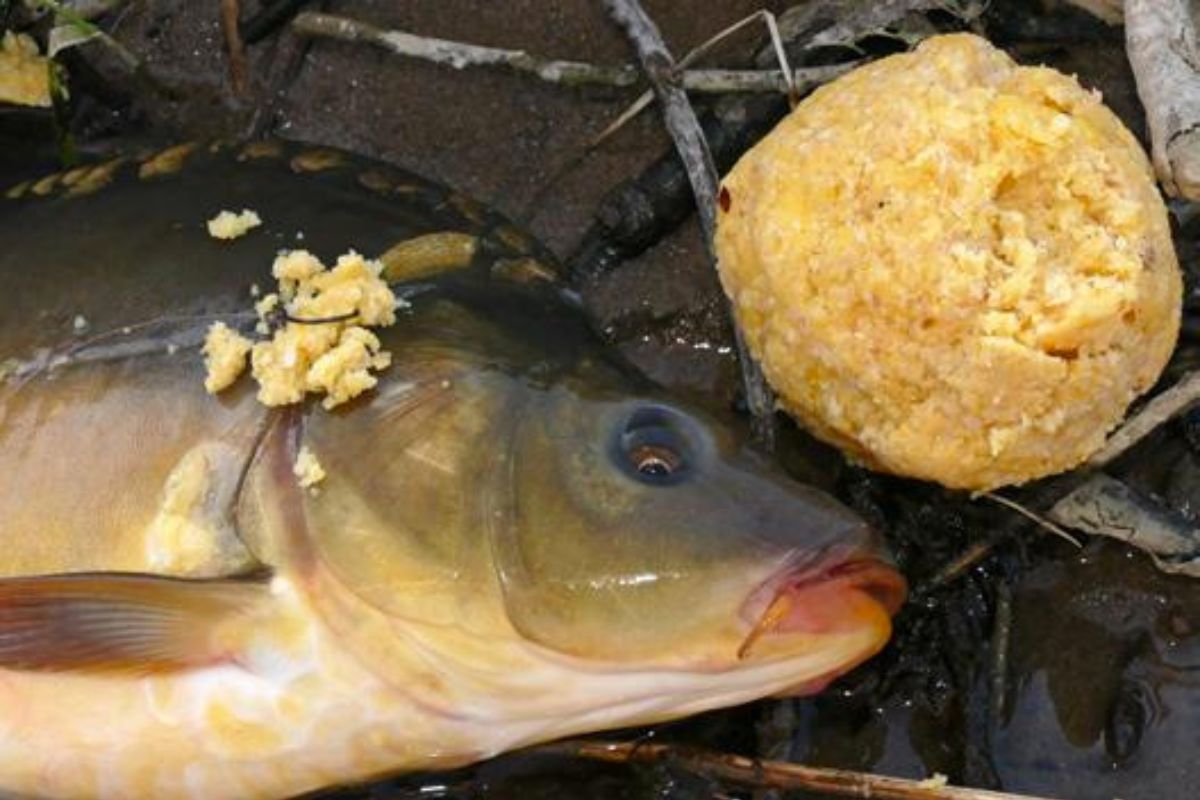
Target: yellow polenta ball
{"points": [[951, 266]]}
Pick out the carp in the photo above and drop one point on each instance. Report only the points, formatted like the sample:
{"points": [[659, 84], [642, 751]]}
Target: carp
{"points": [[517, 538]]}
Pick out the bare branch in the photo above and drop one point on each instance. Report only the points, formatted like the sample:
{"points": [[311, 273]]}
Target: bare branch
{"points": [[460, 55], [1091, 502], [801, 81], [1034, 517], [681, 122], [775, 774], [1174, 401], [230, 13], [1161, 41], [1001, 639]]}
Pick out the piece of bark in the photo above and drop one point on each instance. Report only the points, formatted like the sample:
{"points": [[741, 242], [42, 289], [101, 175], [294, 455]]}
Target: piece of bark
{"points": [[1163, 48], [1104, 506]]}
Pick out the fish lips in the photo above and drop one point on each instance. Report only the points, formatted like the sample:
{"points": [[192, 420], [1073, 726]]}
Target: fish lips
{"points": [[834, 594]]}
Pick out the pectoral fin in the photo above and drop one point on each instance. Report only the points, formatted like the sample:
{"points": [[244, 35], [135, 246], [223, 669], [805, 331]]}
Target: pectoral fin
{"points": [[118, 622]]}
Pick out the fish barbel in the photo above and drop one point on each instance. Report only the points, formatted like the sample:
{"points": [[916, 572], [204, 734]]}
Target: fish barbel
{"points": [[517, 539]]}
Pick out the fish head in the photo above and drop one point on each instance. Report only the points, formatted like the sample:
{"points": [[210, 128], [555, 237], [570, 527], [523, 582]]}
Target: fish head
{"points": [[565, 548], [642, 533]]}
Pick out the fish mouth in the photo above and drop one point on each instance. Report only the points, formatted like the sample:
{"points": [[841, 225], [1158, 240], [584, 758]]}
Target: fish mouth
{"points": [[837, 596]]}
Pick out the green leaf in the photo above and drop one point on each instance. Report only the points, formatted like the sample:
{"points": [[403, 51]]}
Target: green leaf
{"points": [[68, 35]]}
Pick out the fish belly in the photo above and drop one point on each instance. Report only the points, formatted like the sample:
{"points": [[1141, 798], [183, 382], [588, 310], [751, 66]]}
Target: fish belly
{"points": [[293, 712]]}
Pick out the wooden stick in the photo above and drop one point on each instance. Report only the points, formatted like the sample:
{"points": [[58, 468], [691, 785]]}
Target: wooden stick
{"points": [[568, 73], [1181, 397], [681, 122], [775, 774], [1163, 48], [1033, 516], [1001, 638], [230, 14], [678, 114]]}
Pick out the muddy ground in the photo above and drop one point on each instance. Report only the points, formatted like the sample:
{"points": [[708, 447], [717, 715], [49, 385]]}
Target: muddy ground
{"points": [[1096, 698]]}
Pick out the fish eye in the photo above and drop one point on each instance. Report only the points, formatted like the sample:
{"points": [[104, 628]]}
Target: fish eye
{"points": [[654, 447], [654, 461]]}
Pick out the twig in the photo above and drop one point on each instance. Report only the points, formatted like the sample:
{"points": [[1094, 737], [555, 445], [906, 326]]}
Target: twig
{"points": [[1164, 407], [230, 14], [774, 774], [1041, 521], [1001, 634], [1161, 41], [1089, 501], [678, 114], [638, 212], [842, 23], [1041, 497], [460, 55], [681, 122], [695, 54], [963, 562]]}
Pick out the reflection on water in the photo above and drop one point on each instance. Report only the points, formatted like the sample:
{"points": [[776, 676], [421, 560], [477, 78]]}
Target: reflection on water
{"points": [[1107, 668], [1103, 693]]}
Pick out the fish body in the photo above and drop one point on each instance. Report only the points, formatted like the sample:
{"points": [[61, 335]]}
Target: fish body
{"points": [[517, 539]]}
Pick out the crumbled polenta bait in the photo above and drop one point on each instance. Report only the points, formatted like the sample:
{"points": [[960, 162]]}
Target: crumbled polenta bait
{"points": [[953, 267], [308, 469], [24, 73], [323, 347], [345, 371], [225, 352], [228, 225]]}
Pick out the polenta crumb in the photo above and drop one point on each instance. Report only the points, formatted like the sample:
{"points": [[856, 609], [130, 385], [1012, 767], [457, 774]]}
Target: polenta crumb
{"points": [[935, 781], [952, 267], [266, 305], [225, 352], [323, 347], [228, 225], [24, 73], [345, 371], [307, 469]]}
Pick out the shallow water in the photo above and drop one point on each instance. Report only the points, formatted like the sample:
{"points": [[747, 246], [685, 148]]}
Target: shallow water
{"points": [[1102, 692]]}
